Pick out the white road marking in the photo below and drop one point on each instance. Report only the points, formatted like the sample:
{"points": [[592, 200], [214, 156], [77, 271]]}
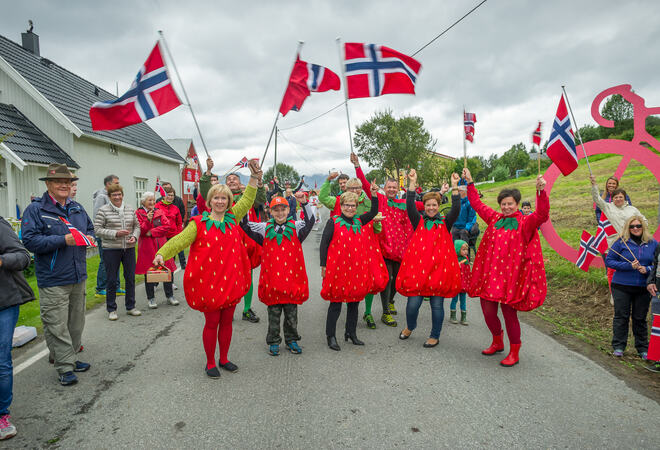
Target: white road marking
{"points": [[24, 365]]}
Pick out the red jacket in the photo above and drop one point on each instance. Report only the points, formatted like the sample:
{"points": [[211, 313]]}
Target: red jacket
{"points": [[174, 216], [153, 235]]}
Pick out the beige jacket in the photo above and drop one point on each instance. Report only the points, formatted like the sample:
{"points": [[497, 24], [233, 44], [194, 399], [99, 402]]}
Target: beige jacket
{"points": [[109, 220], [617, 216]]}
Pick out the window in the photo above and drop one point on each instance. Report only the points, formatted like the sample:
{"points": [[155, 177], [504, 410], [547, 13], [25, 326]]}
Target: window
{"points": [[140, 188]]}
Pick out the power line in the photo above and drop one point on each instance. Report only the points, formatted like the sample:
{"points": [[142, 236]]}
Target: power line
{"points": [[314, 118]]}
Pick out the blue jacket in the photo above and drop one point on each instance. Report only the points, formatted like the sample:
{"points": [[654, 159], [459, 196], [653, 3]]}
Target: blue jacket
{"points": [[467, 217], [625, 274], [55, 263]]}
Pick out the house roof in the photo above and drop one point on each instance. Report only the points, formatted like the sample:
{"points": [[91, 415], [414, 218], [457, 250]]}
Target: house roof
{"points": [[28, 142], [73, 96], [180, 145]]}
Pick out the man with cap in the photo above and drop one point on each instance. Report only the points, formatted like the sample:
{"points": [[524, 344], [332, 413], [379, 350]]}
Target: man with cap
{"points": [[48, 228]]}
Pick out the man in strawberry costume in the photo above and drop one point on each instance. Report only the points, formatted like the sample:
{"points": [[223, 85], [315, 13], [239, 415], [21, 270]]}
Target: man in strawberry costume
{"points": [[283, 281], [218, 271], [394, 239], [508, 268], [343, 249]]}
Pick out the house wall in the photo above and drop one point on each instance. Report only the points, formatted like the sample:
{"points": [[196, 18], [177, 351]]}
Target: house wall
{"points": [[25, 185]]}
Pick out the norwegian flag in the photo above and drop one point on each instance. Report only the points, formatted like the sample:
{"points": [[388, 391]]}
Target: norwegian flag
{"points": [[159, 188], [561, 146], [536, 135], [81, 238], [605, 225], [307, 78], [587, 251], [151, 95], [469, 119], [243, 163], [372, 70]]}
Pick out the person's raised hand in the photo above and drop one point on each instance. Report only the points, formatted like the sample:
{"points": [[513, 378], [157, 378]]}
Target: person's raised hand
{"points": [[209, 164], [255, 169], [412, 175], [332, 176], [355, 160], [540, 183], [300, 196], [467, 175], [592, 178], [68, 238], [444, 189], [455, 178], [158, 261], [374, 188]]}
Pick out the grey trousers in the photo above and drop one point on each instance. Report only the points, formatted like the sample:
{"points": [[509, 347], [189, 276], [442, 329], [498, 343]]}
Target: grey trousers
{"points": [[63, 315]]}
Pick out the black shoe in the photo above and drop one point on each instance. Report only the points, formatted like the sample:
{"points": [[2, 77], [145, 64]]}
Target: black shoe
{"points": [[427, 345], [230, 367], [250, 316], [213, 372], [403, 337], [68, 379], [332, 343], [354, 339], [81, 366]]}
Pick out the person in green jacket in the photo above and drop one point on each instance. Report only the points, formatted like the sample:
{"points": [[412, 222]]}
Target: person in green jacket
{"points": [[364, 205]]}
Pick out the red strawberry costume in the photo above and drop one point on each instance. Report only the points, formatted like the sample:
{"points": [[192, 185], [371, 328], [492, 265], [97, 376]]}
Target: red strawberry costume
{"points": [[466, 275], [374, 256]]}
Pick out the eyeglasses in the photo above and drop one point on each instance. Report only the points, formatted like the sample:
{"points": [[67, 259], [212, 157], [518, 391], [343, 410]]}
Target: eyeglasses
{"points": [[638, 226], [349, 206]]}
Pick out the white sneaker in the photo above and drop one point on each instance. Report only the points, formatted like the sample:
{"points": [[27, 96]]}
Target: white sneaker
{"points": [[7, 429], [174, 287], [172, 301], [152, 303], [112, 315], [134, 312]]}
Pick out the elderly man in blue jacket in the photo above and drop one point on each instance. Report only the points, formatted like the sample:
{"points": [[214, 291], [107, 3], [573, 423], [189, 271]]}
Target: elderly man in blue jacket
{"points": [[61, 268]]}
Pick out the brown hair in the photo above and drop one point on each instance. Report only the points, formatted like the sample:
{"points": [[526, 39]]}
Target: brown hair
{"points": [[619, 191], [504, 193], [115, 188], [343, 176], [169, 189], [617, 185], [432, 196]]}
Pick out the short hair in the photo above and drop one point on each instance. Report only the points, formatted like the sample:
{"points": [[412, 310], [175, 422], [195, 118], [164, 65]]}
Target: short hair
{"points": [[146, 195], [221, 189], [165, 183], [525, 203], [109, 179], [619, 191], [348, 197], [625, 233], [354, 182], [343, 176], [214, 176], [432, 196], [233, 175], [504, 193], [392, 180], [115, 188], [169, 189]]}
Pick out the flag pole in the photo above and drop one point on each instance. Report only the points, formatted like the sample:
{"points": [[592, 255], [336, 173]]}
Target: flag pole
{"points": [[343, 75], [275, 152], [464, 140], [277, 115], [577, 129], [167, 49]]}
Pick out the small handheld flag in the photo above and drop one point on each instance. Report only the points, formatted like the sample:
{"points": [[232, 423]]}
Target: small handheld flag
{"points": [[81, 239], [469, 119], [159, 188], [243, 163], [536, 136]]}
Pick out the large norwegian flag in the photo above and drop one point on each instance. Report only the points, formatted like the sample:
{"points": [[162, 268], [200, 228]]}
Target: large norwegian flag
{"points": [[372, 70], [307, 78], [151, 95], [469, 119], [561, 146]]}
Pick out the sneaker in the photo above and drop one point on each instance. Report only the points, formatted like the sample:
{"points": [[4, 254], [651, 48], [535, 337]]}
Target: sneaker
{"points": [[213, 372], [618, 353], [654, 367], [174, 286], [112, 315], [643, 355], [7, 429], [250, 316], [121, 291], [294, 347], [134, 312], [230, 367], [172, 301], [152, 303], [68, 378], [100, 294], [388, 320], [369, 319], [274, 349], [392, 310], [81, 366]]}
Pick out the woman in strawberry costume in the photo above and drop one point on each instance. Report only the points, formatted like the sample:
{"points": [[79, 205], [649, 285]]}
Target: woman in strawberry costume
{"points": [[430, 266], [508, 268], [218, 272], [343, 249], [283, 281]]}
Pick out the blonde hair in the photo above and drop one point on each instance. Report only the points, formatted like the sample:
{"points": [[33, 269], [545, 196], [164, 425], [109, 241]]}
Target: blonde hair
{"points": [[348, 197], [221, 189], [354, 182], [625, 233]]}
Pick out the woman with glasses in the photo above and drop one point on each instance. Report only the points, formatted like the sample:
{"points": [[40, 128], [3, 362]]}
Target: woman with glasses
{"points": [[631, 256]]}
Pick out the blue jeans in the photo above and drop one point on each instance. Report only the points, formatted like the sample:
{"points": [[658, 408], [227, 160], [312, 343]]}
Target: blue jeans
{"points": [[101, 277], [461, 296], [8, 319], [437, 313]]}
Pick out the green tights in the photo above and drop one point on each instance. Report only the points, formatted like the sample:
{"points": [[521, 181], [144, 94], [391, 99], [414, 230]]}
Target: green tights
{"points": [[247, 300], [368, 300]]}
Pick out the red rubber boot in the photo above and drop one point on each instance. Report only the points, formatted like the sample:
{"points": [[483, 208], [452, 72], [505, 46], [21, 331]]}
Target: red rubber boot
{"points": [[496, 347], [512, 359]]}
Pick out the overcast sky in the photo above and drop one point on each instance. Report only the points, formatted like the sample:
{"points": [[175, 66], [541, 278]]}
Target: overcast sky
{"points": [[506, 62]]}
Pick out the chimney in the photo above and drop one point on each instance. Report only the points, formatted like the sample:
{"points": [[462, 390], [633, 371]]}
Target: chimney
{"points": [[31, 42]]}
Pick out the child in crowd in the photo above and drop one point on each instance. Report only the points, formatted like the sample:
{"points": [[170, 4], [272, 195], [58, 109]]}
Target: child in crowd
{"points": [[463, 253], [526, 208]]}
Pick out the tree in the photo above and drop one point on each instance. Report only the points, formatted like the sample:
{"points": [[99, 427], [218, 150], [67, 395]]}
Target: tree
{"points": [[392, 144], [476, 166], [617, 108], [515, 158], [434, 171], [500, 173], [285, 173], [377, 174]]}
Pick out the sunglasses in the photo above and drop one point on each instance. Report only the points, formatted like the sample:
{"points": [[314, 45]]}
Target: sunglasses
{"points": [[638, 226]]}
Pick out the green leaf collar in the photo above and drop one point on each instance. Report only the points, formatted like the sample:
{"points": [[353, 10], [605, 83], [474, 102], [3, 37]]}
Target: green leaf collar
{"points": [[508, 223], [289, 228], [356, 226], [437, 221], [399, 205], [229, 221]]}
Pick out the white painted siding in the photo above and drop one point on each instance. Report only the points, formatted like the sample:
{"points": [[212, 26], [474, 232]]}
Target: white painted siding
{"points": [[26, 184]]}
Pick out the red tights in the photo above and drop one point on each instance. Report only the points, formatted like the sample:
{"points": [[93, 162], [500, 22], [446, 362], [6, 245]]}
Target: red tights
{"points": [[217, 328], [510, 320]]}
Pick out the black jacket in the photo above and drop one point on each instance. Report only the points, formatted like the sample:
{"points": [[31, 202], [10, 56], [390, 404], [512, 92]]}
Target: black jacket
{"points": [[652, 276], [14, 290]]}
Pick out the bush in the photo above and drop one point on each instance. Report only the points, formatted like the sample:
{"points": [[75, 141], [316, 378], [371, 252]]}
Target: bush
{"points": [[500, 173]]}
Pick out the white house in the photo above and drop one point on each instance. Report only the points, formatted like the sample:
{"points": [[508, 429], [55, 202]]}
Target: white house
{"points": [[44, 110]]}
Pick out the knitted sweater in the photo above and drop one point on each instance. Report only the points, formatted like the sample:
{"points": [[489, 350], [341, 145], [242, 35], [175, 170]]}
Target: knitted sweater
{"points": [[616, 215]]}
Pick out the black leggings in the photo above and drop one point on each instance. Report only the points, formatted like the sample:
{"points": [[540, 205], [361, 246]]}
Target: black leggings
{"points": [[387, 296], [334, 310]]}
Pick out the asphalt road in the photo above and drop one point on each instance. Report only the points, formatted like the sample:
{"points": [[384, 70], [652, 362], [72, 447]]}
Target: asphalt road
{"points": [[147, 388]]}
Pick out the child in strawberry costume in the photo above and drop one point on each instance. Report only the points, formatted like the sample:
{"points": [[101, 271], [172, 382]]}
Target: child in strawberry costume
{"points": [[463, 252], [343, 249], [283, 281], [429, 267], [218, 272], [508, 268]]}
